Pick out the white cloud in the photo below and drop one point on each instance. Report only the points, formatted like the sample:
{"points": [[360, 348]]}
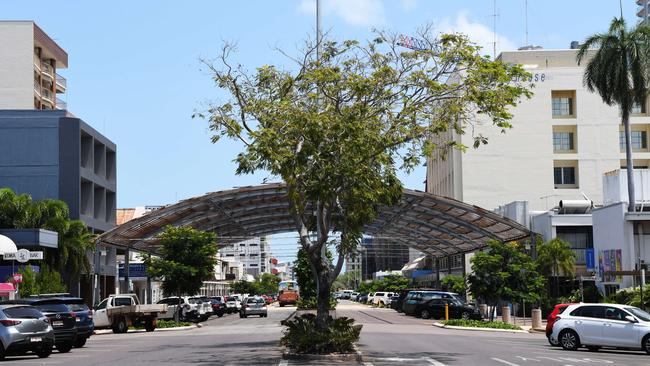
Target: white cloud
{"points": [[479, 33], [353, 12]]}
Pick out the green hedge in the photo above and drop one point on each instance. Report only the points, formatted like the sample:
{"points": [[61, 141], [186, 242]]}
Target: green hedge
{"points": [[171, 324], [479, 324], [302, 335]]}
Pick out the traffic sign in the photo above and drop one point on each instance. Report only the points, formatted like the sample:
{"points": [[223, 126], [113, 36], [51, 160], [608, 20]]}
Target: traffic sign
{"points": [[23, 255], [18, 278]]}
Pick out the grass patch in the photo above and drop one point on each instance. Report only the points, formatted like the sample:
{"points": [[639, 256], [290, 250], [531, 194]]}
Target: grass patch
{"points": [[172, 324], [480, 324]]}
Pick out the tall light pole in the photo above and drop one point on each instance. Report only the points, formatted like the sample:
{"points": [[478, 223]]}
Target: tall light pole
{"points": [[319, 32]]}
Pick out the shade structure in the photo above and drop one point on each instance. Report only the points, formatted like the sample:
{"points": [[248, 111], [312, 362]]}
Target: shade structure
{"points": [[432, 224]]}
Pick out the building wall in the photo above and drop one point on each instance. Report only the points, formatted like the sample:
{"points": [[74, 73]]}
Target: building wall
{"points": [[518, 165], [253, 254], [17, 66], [611, 232]]}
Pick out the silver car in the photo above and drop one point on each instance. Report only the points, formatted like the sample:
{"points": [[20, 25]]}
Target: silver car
{"points": [[253, 306], [24, 329]]}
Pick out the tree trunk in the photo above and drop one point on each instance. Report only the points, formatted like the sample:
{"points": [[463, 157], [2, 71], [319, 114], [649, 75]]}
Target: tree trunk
{"points": [[629, 162], [323, 285]]}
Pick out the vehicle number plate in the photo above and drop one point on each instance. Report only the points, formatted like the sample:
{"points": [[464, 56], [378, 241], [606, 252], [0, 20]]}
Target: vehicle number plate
{"points": [[36, 339], [57, 323]]}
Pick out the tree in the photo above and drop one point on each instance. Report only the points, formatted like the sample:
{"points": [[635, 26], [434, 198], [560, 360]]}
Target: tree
{"points": [[555, 257], [347, 280], [455, 283], [504, 272], [43, 282], [304, 275], [186, 258], [268, 284], [337, 128], [244, 287], [74, 238], [618, 70]]}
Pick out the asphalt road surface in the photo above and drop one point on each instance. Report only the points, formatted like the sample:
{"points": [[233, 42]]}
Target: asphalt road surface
{"points": [[388, 338]]}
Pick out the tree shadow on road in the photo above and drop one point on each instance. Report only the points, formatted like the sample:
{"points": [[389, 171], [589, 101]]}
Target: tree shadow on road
{"points": [[241, 353]]}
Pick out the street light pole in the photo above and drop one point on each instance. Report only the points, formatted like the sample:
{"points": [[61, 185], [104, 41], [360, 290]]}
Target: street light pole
{"points": [[319, 33]]}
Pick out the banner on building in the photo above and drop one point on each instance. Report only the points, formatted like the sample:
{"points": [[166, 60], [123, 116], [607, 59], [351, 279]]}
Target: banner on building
{"points": [[610, 261]]}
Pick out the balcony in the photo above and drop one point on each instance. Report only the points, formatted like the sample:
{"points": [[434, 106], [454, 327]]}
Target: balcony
{"points": [[47, 95], [61, 84], [37, 88], [61, 104], [37, 63], [47, 70]]}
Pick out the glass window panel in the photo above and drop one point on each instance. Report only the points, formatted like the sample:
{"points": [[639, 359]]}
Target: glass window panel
{"points": [[562, 106], [557, 173], [562, 141], [568, 175]]}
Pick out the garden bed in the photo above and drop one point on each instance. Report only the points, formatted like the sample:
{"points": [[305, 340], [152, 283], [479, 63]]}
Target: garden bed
{"points": [[479, 325]]}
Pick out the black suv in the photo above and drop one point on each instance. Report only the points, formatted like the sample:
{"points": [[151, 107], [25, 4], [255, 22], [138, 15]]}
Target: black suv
{"points": [[62, 319], [84, 319]]}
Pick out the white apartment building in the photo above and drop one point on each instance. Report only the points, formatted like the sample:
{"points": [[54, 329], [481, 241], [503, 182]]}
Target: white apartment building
{"points": [[643, 11], [254, 254], [28, 68], [562, 142]]}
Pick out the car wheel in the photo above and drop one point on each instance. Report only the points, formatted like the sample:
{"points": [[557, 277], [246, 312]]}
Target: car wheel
{"points": [[150, 325], [569, 340], [219, 315], [241, 315], [425, 314], [465, 315], [553, 342], [645, 344], [45, 351], [119, 326], [593, 348], [64, 348], [79, 342]]}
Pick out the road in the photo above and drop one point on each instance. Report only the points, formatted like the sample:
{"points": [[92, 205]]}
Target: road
{"points": [[388, 338]]}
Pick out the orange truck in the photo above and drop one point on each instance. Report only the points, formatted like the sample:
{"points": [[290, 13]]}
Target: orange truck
{"points": [[288, 293]]}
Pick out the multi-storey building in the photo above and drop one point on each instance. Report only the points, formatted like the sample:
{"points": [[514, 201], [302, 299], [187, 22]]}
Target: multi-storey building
{"points": [[29, 62], [48, 152], [564, 138], [643, 11], [254, 254]]}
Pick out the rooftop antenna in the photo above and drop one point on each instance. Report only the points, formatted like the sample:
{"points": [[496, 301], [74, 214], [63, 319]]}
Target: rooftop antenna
{"points": [[526, 17], [494, 30]]}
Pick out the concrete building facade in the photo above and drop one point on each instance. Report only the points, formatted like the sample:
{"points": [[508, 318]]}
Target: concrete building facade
{"points": [[28, 68], [253, 253], [564, 138]]}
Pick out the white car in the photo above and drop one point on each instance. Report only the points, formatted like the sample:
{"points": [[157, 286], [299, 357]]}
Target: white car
{"points": [[191, 308], [382, 298], [371, 298], [602, 325], [233, 305]]}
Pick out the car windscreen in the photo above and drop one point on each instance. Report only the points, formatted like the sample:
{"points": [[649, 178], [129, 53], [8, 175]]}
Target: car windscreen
{"points": [[77, 306], [52, 308], [122, 301], [255, 301], [194, 300], [639, 314], [22, 312]]}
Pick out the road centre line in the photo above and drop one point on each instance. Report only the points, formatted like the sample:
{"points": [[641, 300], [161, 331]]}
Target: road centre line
{"points": [[434, 362], [504, 362]]}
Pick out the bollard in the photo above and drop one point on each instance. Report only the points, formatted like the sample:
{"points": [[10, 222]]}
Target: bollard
{"points": [[537, 318], [483, 308], [446, 311], [505, 314]]}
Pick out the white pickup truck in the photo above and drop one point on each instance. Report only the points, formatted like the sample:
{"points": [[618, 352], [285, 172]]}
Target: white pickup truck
{"points": [[118, 312]]}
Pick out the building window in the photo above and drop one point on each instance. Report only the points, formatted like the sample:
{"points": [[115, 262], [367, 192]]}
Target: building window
{"points": [[563, 103], [253, 265], [563, 141], [457, 261], [443, 264], [242, 255], [639, 140], [564, 175], [638, 108], [230, 255]]}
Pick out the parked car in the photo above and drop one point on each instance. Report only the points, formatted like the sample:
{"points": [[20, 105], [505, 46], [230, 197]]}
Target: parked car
{"points": [[267, 299], [118, 312], [204, 306], [371, 298], [382, 298], [60, 317], [458, 309], [396, 303], [218, 305], [189, 308], [362, 298], [25, 329], [550, 320], [84, 319], [353, 296], [253, 306], [234, 303], [345, 294], [415, 300], [602, 325]]}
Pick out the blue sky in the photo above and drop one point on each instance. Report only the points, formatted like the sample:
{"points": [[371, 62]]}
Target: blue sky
{"points": [[134, 70]]}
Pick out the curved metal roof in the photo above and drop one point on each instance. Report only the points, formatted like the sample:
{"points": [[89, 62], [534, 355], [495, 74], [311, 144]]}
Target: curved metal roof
{"points": [[431, 224]]}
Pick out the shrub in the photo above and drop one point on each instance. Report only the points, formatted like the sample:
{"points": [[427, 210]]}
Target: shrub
{"points": [[302, 335], [311, 304], [479, 324], [171, 324]]}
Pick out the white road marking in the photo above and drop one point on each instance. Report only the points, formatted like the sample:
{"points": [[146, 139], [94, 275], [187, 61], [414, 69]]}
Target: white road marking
{"points": [[283, 363], [368, 364], [504, 362], [527, 359], [434, 362]]}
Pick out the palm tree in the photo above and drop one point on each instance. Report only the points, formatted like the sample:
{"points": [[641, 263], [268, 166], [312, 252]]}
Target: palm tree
{"points": [[618, 70], [555, 257]]}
